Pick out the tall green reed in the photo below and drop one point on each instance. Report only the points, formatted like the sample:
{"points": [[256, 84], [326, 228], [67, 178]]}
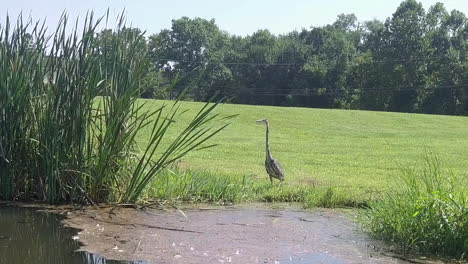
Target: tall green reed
{"points": [[427, 211], [21, 65], [69, 115]]}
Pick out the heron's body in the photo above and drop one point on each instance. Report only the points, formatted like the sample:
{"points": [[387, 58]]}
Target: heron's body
{"points": [[274, 169], [272, 166]]}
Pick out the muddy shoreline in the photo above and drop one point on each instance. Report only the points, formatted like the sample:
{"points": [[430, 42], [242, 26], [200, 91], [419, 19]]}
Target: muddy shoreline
{"points": [[254, 233]]}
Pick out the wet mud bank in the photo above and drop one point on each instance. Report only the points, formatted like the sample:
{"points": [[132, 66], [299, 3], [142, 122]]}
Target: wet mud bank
{"points": [[228, 235]]}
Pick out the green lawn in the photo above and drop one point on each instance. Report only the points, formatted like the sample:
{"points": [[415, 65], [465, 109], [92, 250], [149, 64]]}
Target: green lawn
{"points": [[356, 152]]}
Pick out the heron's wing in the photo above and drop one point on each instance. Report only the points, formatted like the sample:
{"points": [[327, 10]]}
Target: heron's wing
{"points": [[277, 168], [269, 167]]}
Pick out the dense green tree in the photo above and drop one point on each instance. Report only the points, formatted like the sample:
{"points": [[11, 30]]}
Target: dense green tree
{"points": [[153, 85], [414, 61], [332, 49], [445, 93], [405, 55], [191, 50]]}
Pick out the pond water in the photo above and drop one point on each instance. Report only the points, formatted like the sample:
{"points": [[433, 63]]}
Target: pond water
{"points": [[29, 236], [237, 235]]}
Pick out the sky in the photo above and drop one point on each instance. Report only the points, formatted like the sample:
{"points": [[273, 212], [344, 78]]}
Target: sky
{"points": [[238, 17]]}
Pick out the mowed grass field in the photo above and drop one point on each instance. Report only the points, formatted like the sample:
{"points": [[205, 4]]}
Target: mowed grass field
{"points": [[357, 153]]}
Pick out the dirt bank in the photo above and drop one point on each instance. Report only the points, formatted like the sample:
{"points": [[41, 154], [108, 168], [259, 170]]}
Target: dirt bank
{"points": [[227, 235]]}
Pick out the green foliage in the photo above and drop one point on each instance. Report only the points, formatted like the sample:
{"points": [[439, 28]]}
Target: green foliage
{"points": [[414, 61], [199, 186], [193, 43], [426, 211], [205, 186], [329, 197], [69, 115]]}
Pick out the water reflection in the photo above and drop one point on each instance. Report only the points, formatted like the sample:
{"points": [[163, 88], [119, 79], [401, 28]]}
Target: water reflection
{"points": [[312, 258], [94, 259], [28, 236]]}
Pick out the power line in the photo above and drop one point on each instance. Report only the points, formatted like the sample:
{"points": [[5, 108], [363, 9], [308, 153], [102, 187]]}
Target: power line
{"points": [[379, 88], [378, 60], [232, 90], [233, 63], [358, 90]]}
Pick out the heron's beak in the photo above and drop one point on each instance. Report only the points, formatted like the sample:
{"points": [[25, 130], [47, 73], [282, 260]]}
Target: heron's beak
{"points": [[259, 121]]}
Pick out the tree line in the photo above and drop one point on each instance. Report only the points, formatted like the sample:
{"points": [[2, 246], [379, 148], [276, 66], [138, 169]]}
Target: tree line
{"points": [[414, 61]]}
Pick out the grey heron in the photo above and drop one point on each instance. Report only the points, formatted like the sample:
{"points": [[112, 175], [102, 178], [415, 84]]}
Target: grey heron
{"points": [[272, 166]]}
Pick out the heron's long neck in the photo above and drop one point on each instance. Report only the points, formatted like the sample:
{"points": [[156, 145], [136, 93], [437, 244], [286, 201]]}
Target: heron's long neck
{"points": [[268, 154]]}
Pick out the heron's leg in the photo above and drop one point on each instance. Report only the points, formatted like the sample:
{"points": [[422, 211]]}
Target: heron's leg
{"points": [[271, 180], [279, 185]]}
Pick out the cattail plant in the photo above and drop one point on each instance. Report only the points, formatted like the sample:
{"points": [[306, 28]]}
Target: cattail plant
{"points": [[70, 114]]}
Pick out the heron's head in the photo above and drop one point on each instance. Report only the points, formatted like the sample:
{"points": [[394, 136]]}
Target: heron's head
{"points": [[262, 121]]}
